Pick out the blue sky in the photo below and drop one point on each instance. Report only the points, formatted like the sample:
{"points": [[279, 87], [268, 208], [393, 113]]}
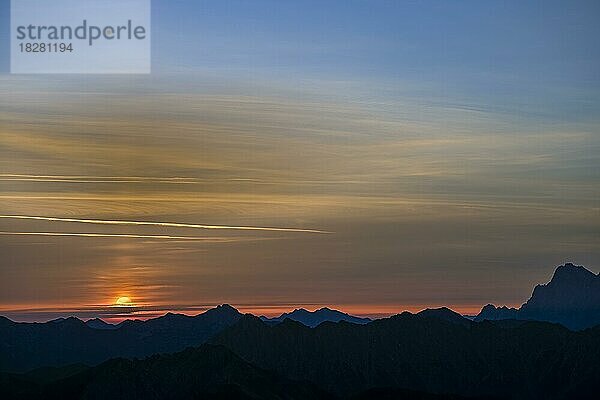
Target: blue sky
{"points": [[4, 36], [485, 49], [492, 51]]}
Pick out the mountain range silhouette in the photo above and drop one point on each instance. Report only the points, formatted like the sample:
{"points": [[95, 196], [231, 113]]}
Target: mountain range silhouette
{"points": [[571, 298], [326, 354], [317, 317]]}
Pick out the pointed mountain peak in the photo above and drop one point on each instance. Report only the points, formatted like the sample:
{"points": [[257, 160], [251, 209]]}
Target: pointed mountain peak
{"points": [[571, 298], [314, 318], [222, 309], [570, 271], [438, 311], [226, 306], [325, 309], [443, 313], [225, 309], [70, 321], [223, 313], [299, 311]]}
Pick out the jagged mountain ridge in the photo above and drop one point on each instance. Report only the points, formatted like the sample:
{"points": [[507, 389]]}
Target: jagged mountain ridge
{"points": [[444, 313], [571, 298], [25, 346], [314, 318]]}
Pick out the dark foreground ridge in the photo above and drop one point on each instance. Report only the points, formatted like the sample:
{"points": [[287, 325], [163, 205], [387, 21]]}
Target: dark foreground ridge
{"points": [[203, 372], [509, 359], [405, 356]]}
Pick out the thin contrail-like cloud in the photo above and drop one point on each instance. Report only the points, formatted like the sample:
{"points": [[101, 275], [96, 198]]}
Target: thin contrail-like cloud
{"points": [[98, 179], [117, 235], [169, 224], [118, 179], [163, 178]]}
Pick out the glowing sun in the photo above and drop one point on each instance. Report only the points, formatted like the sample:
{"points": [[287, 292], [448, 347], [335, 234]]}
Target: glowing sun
{"points": [[124, 301]]}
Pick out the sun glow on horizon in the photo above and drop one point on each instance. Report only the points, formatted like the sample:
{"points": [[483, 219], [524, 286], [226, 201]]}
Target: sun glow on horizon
{"points": [[124, 301]]}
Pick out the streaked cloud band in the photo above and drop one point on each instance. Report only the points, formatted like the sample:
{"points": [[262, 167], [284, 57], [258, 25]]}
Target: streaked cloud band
{"points": [[165, 224], [117, 235]]}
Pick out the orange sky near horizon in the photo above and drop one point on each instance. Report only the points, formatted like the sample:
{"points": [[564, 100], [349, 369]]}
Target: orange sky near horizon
{"points": [[116, 314]]}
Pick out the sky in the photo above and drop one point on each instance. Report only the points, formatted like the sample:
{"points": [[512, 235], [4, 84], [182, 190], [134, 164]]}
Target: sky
{"points": [[372, 156]]}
